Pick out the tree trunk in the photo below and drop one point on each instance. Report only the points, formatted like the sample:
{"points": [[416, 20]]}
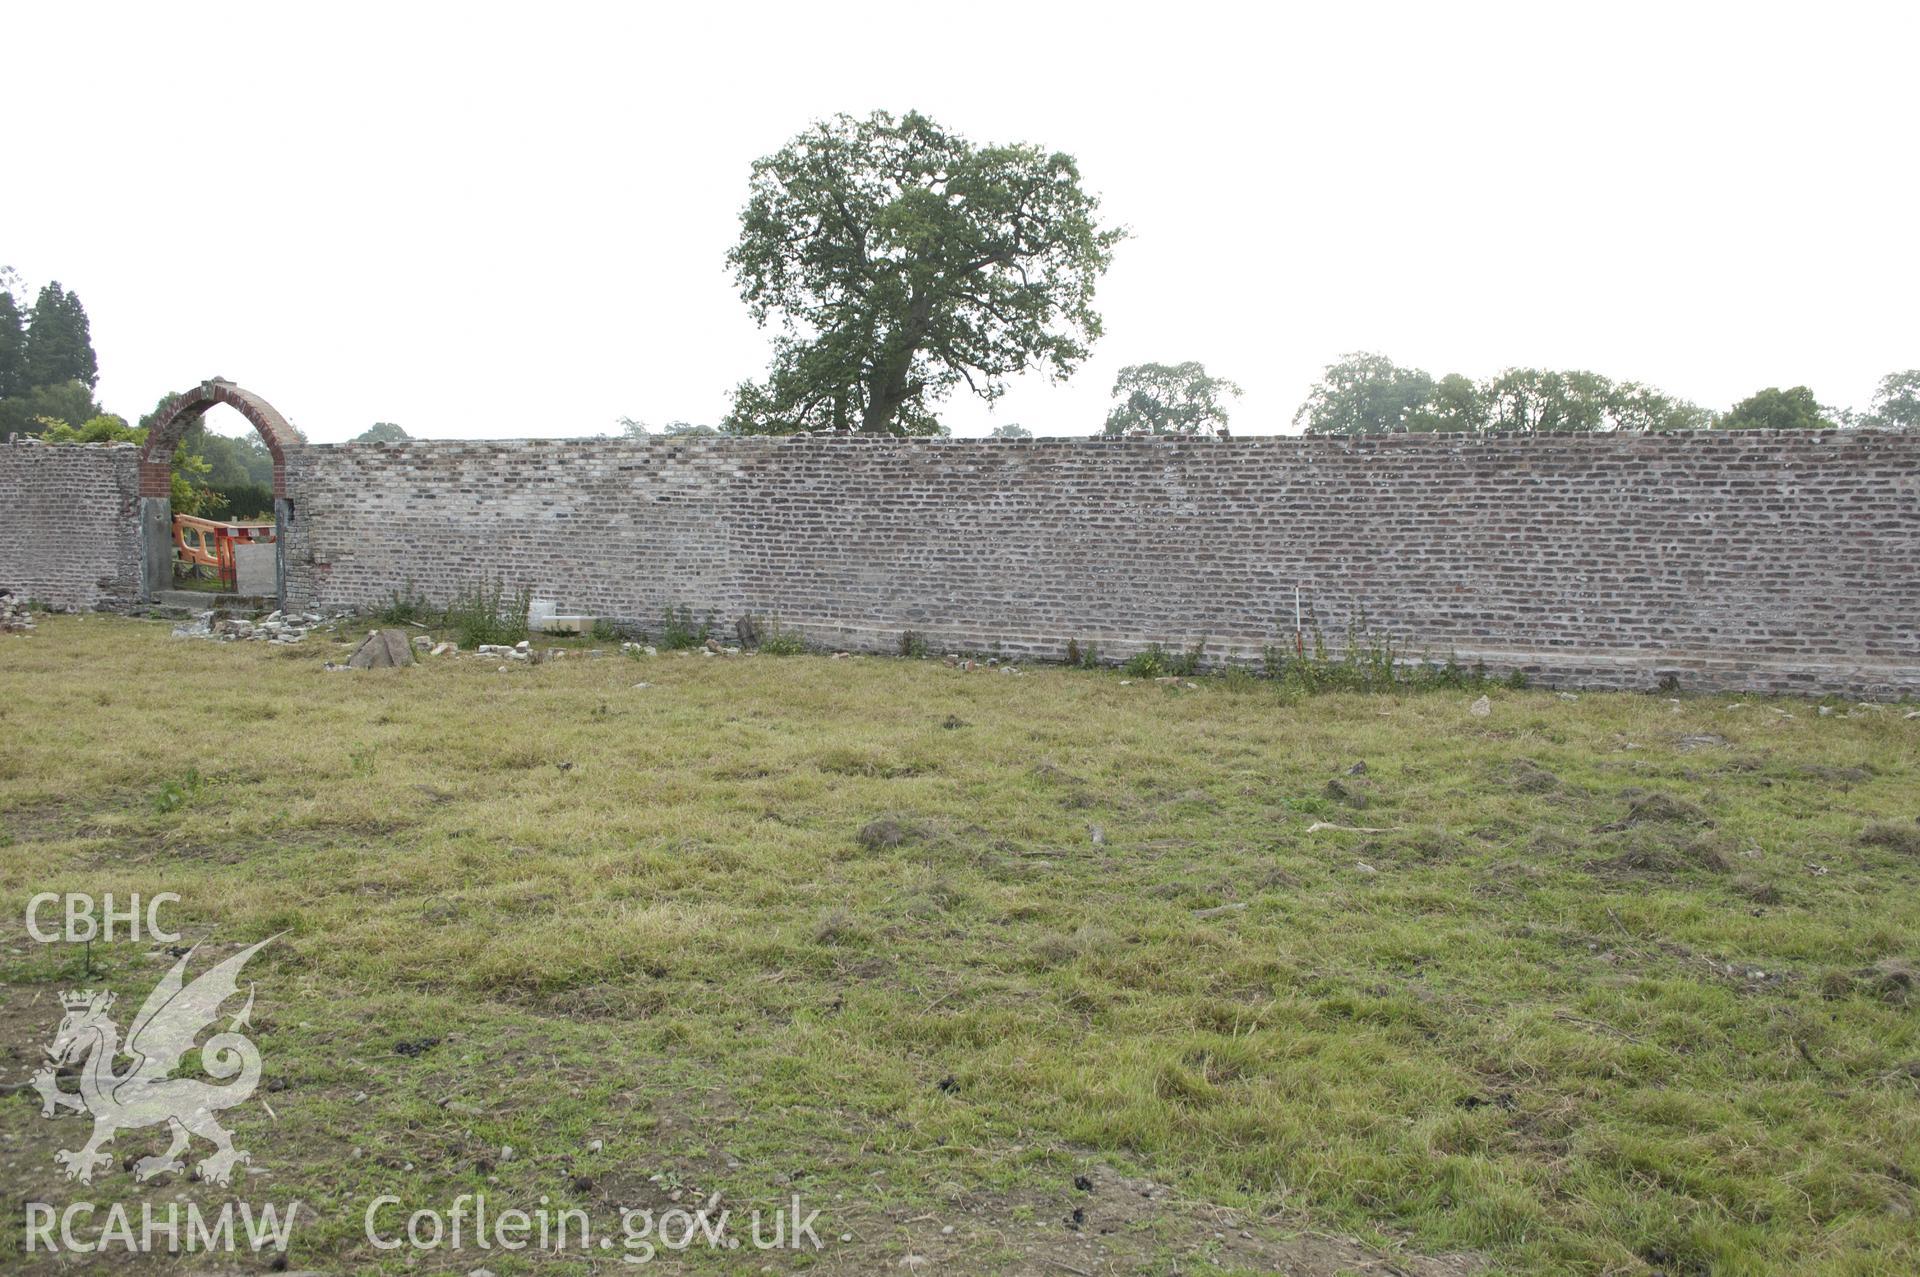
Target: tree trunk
{"points": [[887, 388]]}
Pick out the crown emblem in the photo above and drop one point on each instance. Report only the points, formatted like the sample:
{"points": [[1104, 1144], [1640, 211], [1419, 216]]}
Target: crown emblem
{"points": [[83, 999]]}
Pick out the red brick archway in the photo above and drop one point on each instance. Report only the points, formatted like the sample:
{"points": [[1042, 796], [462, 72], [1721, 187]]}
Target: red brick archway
{"points": [[156, 475], [156, 458]]}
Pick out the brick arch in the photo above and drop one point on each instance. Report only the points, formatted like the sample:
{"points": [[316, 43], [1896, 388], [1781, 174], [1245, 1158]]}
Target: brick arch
{"points": [[163, 435]]}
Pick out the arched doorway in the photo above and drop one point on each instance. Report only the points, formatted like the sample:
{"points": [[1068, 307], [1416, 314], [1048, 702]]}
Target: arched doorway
{"points": [[156, 476]]}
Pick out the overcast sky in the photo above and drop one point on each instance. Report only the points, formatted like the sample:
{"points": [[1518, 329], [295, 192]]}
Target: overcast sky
{"points": [[481, 220]]}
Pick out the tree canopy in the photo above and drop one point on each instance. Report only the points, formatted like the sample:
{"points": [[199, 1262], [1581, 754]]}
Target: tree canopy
{"points": [[382, 432], [1777, 409], [1370, 394], [13, 349], [1170, 399], [47, 365], [1362, 394], [900, 262], [190, 493], [1896, 403], [1011, 430], [59, 345]]}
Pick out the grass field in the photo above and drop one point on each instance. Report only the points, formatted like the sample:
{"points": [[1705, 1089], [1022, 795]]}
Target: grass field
{"points": [[1036, 973]]}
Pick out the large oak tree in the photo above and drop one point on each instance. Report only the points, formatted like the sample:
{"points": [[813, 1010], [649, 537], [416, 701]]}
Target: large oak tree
{"points": [[900, 262]]}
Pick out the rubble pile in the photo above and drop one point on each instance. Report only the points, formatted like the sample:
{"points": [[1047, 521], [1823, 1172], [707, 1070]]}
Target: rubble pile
{"points": [[15, 618], [276, 627]]}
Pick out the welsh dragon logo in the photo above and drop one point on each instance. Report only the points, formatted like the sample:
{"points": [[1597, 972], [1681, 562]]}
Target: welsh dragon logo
{"points": [[146, 1094]]}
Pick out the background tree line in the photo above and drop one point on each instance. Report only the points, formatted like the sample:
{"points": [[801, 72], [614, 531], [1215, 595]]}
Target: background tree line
{"points": [[1370, 394], [48, 371], [901, 263]]}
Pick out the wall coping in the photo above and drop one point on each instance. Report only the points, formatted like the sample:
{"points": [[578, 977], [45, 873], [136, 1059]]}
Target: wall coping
{"points": [[1369, 443]]}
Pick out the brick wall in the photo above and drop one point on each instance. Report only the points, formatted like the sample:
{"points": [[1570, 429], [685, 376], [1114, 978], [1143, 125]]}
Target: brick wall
{"points": [[1750, 560], [69, 523], [1756, 560]]}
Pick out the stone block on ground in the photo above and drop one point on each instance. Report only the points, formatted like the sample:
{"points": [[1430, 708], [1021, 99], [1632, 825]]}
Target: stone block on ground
{"points": [[382, 649]]}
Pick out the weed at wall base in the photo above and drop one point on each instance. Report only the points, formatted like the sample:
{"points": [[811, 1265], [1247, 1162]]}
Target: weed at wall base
{"points": [[1367, 664], [678, 630], [1157, 662], [487, 615], [782, 642], [403, 607]]}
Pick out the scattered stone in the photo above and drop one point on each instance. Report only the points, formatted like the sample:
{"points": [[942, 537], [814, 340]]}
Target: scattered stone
{"points": [[1217, 910], [382, 649], [1480, 708], [423, 641], [1365, 869], [274, 628], [444, 649], [1349, 792], [14, 616], [1702, 740], [1358, 769], [1567, 696], [1327, 826]]}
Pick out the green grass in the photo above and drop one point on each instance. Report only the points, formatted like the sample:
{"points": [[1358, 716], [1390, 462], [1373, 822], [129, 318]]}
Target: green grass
{"points": [[1617, 987]]}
